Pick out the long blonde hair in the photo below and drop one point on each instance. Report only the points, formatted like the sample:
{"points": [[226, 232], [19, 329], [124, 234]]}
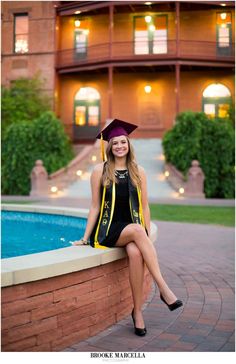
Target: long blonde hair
{"points": [[109, 169]]}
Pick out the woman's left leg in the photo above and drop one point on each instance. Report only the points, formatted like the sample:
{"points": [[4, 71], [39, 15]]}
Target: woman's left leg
{"points": [[136, 276]]}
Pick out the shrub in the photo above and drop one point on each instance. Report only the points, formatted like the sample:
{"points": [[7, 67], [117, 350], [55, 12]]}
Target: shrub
{"points": [[26, 142], [23, 100], [211, 142]]}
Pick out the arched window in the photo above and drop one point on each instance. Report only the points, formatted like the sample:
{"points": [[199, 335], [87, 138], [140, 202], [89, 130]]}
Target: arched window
{"points": [[87, 107], [216, 100]]}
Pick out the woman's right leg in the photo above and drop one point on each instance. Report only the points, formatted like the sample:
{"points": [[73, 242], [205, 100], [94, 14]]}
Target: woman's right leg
{"points": [[137, 234], [136, 276]]}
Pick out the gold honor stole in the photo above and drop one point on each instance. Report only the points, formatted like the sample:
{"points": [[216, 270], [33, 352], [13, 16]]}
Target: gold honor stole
{"points": [[107, 211]]}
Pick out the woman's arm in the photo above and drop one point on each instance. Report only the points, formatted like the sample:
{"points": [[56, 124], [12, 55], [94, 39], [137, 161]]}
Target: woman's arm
{"points": [[145, 205], [95, 181]]}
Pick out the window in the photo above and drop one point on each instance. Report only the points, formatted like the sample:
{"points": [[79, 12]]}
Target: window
{"points": [[80, 115], [81, 38], [216, 100], [21, 30], [87, 107], [150, 34], [224, 33]]}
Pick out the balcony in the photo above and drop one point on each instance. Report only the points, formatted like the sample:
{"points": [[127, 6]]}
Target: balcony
{"points": [[123, 53]]}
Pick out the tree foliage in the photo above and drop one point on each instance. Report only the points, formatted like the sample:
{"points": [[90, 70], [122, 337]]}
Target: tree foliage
{"points": [[211, 142]]}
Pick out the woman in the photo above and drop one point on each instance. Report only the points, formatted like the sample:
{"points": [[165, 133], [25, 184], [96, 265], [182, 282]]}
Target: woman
{"points": [[120, 217]]}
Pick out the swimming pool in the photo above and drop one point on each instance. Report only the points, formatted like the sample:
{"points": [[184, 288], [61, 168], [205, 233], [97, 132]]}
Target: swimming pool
{"points": [[26, 233]]}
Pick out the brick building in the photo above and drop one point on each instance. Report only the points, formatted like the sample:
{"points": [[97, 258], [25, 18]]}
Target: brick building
{"points": [[134, 60]]}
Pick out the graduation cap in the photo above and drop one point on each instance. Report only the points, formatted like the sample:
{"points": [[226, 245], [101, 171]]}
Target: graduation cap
{"points": [[114, 129]]}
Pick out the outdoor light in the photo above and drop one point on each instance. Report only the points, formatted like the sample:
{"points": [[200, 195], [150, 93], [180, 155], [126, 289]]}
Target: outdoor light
{"points": [[86, 31], [223, 16], [77, 23], [223, 4], [148, 3], [148, 89], [77, 12], [148, 19], [181, 190], [54, 189], [94, 158], [152, 28], [167, 173], [79, 173]]}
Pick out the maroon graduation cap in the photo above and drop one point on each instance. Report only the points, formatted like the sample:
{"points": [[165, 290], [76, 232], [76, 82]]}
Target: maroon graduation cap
{"points": [[114, 129]]}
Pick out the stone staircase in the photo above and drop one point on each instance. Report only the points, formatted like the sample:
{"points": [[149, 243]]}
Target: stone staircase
{"points": [[148, 153]]}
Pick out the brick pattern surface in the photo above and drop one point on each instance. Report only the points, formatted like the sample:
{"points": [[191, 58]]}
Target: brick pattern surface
{"points": [[197, 261], [54, 313]]}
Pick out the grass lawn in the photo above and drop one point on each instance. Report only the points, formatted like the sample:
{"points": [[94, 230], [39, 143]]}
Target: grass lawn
{"points": [[215, 215]]}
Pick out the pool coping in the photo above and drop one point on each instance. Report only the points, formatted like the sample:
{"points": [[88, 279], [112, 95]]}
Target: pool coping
{"points": [[33, 267]]}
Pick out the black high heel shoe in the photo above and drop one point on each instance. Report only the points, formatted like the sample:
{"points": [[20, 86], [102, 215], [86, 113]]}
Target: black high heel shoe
{"points": [[172, 306], [138, 331]]}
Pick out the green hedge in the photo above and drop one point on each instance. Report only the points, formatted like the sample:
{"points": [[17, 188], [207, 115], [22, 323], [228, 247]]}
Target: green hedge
{"points": [[23, 143], [211, 142], [23, 100]]}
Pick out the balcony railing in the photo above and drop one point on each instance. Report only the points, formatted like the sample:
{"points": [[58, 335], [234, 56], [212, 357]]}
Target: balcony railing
{"points": [[126, 51]]}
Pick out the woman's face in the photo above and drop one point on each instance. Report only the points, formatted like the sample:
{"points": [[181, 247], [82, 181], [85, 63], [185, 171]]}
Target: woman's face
{"points": [[120, 146]]}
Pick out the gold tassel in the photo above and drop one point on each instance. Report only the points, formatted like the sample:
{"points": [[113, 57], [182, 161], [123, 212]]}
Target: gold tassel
{"points": [[140, 207], [104, 157], [96, 242]]}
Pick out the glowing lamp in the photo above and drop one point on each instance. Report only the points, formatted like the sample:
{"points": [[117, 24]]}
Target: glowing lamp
{"points": [[54, 189], [148, 19], [167, 174], [77, 23], [181, 190], [94, 158], [79, 173], [148, 89]]}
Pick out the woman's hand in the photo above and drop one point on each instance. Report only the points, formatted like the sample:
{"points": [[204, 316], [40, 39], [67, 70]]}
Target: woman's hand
{"points": [[80, 242]]}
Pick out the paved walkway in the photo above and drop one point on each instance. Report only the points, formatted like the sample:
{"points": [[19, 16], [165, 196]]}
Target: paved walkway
{"points": [[198, 263], [149, 154]]}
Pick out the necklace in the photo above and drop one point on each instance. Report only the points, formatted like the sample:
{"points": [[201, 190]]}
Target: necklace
{"points": [[121, 175]]}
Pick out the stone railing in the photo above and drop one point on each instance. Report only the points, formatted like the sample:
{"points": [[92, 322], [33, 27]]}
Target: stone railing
{"points": [[42, 184], [192, 186]]}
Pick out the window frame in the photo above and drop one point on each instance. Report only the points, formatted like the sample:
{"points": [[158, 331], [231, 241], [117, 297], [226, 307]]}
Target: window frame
{"points": [[150, 38], [216, 101], [224, 51], [15, 15], [80, 55], [87, 130]]}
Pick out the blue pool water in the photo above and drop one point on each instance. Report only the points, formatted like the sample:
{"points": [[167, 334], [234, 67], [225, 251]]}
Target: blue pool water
{"points": [[28, 233]]}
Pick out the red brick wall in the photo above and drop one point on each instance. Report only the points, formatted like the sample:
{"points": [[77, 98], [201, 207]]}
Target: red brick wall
{"points": [[154, 112], [40, 58], [54, 313]]}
